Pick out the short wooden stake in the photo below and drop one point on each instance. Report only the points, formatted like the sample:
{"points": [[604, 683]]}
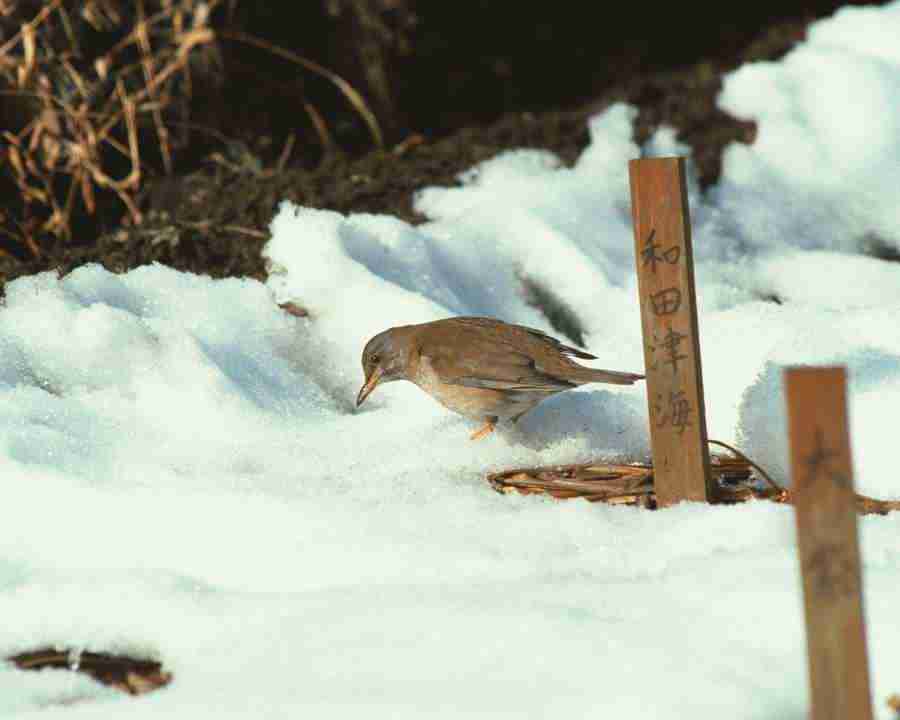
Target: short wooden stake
{"points": [[822, 490], [665, 266]]}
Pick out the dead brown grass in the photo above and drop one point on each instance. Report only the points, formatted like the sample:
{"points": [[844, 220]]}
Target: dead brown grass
{"points": [[81, 119], [738, 479], [131, 675]]}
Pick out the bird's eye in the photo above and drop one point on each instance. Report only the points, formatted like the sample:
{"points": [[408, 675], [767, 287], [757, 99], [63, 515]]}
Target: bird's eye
{"points": [[373, 359]]}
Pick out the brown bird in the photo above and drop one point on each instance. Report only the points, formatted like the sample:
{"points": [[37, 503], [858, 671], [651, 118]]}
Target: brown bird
{"points": [[482, 368]]}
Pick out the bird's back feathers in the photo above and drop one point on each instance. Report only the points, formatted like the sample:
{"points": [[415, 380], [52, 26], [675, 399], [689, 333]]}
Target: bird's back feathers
{"points": [[502, 356]]}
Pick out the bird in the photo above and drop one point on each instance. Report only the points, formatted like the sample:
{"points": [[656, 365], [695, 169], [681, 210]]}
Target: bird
{"points": [[482, 368]]}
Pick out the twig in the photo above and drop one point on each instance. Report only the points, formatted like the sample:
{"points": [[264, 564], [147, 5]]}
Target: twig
{"points": [[285, 152], [346, 88], [143, 43], [763, 473], [319, 124], [208, 225], [30, 25]]}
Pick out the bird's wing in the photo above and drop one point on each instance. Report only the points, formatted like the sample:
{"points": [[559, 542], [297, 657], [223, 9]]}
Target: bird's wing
{"points": [[476, 357], [557, 345], [533, 382], [486, 353], [489, 326]]}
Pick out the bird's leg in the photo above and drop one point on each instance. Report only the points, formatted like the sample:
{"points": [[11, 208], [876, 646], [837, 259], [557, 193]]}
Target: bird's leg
{"points": [[487, 429]]}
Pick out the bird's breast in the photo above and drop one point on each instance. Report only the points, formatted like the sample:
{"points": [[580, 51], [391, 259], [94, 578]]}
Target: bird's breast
{"points": [[473, 402]]}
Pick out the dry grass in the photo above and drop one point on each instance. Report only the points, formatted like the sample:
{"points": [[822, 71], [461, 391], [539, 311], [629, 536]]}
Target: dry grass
{"points": [[738, 479], [82, 116], [81, 119]]}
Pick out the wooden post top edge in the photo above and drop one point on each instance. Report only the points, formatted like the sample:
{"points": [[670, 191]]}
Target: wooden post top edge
{"points": [[656, 158], [814, 368]]}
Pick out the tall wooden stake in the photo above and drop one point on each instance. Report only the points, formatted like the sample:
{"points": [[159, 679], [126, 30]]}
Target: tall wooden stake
{"points": [[665, 266], [822, 489]]}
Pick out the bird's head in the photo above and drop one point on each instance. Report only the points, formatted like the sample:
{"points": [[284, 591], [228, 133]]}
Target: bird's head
{"points": [[384, 359]]}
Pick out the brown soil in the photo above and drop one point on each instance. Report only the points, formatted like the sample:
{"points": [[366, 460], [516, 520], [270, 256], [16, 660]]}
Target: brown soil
{"points": [[213, 219]]}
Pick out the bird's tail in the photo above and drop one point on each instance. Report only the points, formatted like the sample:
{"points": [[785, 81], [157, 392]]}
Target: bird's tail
{"points": [[612, 377]]}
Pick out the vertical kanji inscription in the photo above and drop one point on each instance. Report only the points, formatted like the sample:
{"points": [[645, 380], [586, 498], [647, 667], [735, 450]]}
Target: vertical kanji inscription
{"points": [[664, 260], [825, 511]]}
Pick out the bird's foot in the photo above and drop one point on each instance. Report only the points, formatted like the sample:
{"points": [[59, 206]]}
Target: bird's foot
{"points": [[487, 429]]}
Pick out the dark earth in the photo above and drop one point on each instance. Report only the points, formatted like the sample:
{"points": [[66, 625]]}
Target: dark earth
{"points": [[450, 87]]}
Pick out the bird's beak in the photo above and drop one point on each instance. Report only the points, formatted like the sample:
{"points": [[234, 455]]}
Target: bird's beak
{"points": [[370, 385]]}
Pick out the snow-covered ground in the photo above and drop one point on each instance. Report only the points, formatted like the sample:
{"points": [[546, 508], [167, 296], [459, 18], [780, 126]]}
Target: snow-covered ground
{"points": [[184, 475]]}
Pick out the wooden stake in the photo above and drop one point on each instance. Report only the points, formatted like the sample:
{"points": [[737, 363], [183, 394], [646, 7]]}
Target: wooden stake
{"points": [[822, 488], [665, 266]]}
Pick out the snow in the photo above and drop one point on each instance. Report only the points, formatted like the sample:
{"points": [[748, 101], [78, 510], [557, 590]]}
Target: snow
{"points": [[186, 478]]}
